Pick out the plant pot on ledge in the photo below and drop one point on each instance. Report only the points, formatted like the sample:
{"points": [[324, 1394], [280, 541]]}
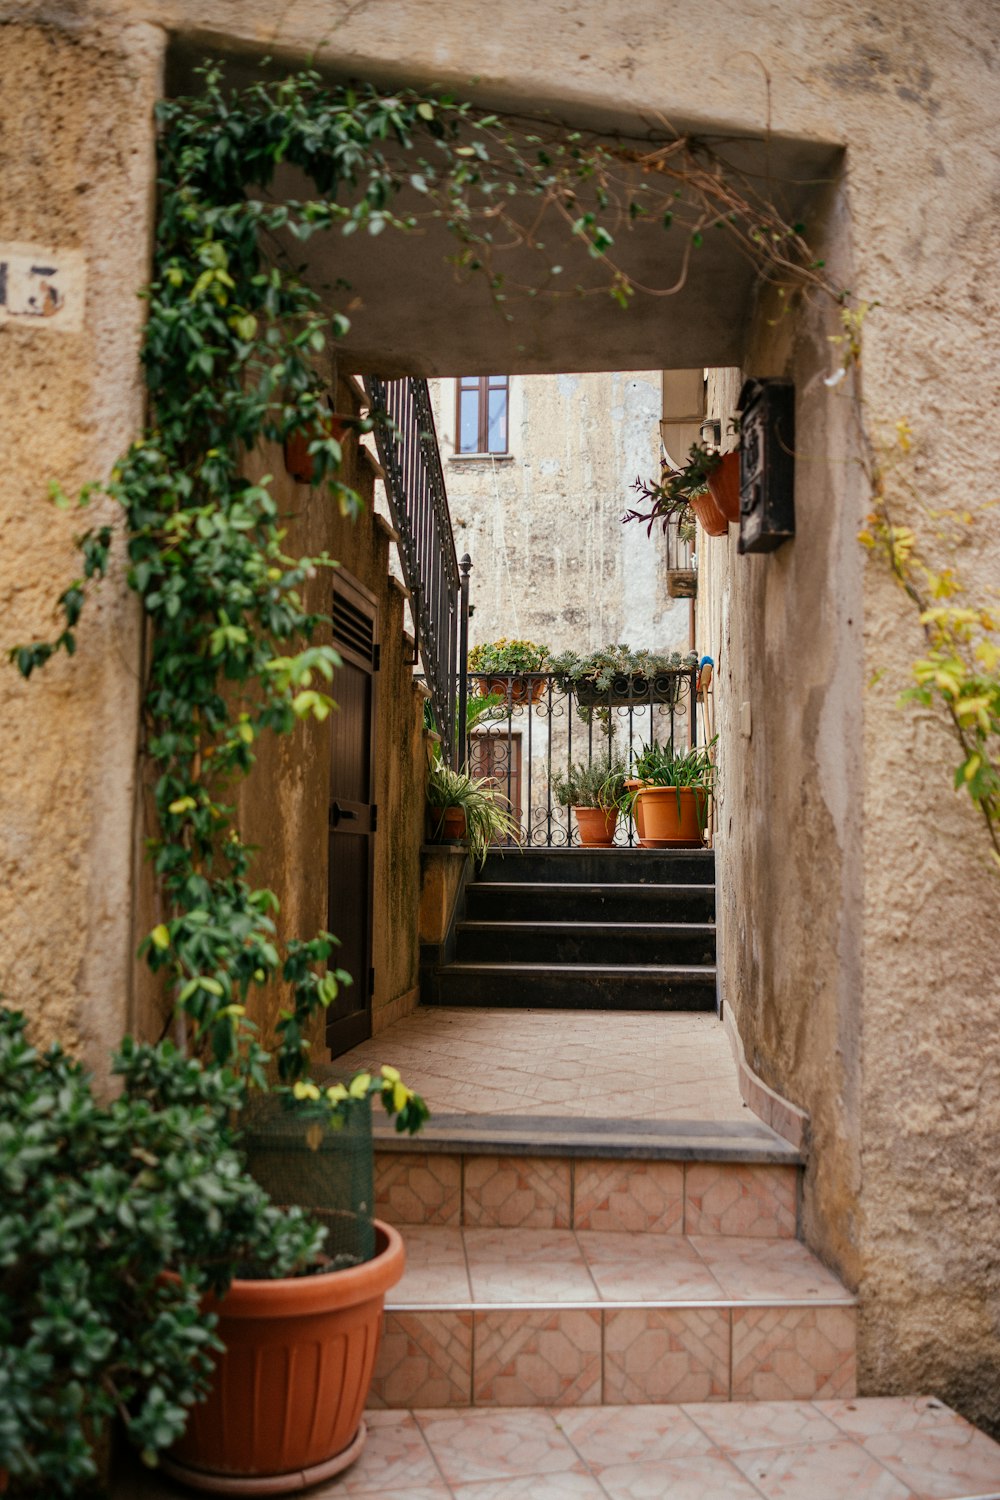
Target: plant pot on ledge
{"points": [[596, 826], [671, 817], [710, 517], [285, 1409], [724, 484]]}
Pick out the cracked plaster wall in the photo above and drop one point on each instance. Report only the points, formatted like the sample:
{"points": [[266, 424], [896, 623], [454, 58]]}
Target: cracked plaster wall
{"points": [[896, 1057]]}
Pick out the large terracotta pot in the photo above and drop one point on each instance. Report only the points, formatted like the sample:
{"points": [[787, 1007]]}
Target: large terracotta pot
{"points": [[445, 825], [671, 817], [596, 826], [709, 515], [285, 1408], [633, 785], [724, 484]]}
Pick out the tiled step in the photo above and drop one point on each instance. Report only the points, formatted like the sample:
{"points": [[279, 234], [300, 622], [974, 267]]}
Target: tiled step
{"points": [[881, 1448], [548, 1317], [573, 986], [481, 1182], [586, 940], [602, 866], [553, 901]]}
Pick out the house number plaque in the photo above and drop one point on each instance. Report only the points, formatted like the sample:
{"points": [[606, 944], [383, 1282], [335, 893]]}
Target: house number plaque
{"points": [[767, 464]]}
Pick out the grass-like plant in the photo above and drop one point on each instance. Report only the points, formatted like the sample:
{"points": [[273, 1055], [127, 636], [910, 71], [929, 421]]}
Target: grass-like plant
{"points": [[488, 818], [601, 783]]}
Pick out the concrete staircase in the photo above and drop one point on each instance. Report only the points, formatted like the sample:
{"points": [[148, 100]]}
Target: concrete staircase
{"points": [[575, 1262], [614, 929]]}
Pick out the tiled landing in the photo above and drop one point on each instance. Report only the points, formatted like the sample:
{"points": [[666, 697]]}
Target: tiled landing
{"points": [[878, 1449], [548, 1317], [627, 1065]]}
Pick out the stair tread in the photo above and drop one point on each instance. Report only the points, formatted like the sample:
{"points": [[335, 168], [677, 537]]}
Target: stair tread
{"points": [[693, 970], [498, 924], [582, 887], [467, 1268]]}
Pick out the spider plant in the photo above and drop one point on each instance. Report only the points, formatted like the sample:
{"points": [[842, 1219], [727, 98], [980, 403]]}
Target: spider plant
{"points": [[488, 819]]}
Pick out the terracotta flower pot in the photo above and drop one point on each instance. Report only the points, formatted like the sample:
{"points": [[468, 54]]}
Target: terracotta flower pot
{"points": [[285, 1408], [596, 826], [633, 785], [512, 688], [709, 515], [299, 462], [448, 824], [671, 816], [724, 484]]}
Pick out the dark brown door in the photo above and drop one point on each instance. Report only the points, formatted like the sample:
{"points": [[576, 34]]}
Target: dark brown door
{"points": [[497, 754], [353, 815]]}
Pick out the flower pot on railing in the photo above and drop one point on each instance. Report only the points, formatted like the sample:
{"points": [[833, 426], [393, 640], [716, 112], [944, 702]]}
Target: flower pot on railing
{"points": [[710, 517], [596, 826], [671, 816], [724, 483], [512, 688], [665, 687]]}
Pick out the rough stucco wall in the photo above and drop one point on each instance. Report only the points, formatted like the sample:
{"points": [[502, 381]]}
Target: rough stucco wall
{"points": [[911, 91], [551, 559], [75, 173]]}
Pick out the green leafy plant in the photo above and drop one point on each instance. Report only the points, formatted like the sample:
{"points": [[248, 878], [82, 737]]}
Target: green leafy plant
{"points": [[505, 657], [488, 819], [668, 500], [662, 765], [599, 783]]}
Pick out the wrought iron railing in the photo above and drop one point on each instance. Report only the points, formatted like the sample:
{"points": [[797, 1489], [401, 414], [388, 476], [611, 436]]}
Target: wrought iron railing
{"points": [[541, 728], [418, 502]]}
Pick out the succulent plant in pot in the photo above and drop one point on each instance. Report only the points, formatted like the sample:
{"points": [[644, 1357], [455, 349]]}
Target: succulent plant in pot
{"points": [[596, 792]]}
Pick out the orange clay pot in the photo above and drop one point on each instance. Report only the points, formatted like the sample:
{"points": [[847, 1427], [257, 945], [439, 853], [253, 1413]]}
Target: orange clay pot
{"points": [[724, 484], [445, 825], [285, 1408], [513, 689], [664, 825], [299, 462], [596, 826], [709, 515]]}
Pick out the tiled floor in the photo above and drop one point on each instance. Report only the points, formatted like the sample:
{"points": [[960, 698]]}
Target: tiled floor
{"points": [[904, 1449], [630, 1064]]}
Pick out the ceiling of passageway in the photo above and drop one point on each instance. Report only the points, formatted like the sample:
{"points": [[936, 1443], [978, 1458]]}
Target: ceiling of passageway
{"points": [[412, 313]]}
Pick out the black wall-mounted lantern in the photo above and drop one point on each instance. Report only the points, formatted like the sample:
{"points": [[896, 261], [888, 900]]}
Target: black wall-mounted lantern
{"points": [[767, 464]]}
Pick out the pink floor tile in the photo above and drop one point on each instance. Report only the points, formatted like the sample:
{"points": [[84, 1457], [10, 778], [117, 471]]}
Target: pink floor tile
{"points": [[940, 1462], [395, 1455], [777, 1270], [418, 1189], [533, 1487], [706, 1476], [836, 1471], [870, 1414], [488, 1444], [647, 1268], [536, 1265], [435, 1267], [635, 1196], [742, 1426], [632, 1434], [741, 1199], [656, 1354], [517, 1192], [793, 1354], [547, 1358], [425, 1359]]}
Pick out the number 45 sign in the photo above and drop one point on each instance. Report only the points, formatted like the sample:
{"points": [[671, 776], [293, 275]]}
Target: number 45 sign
{"points": [[41, 288]]}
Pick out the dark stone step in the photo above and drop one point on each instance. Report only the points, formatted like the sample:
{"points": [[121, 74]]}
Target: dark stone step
{"points": [[586, 942], [572, 986], [602, 866], [553, 901]]}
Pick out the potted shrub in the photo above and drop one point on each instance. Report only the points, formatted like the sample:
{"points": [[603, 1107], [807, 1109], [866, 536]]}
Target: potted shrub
{"points": [[670, 800], [506, 667], [616, 675], [121, 1226], [595, 792], [466, 808], [684, 490], [316, 444]]}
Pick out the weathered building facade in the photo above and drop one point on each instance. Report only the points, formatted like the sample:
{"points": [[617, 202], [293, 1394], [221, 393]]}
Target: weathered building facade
{"points": [[861, 948]]}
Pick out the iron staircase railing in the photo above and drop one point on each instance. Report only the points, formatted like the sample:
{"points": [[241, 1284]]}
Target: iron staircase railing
{"points": [[437, 584]]}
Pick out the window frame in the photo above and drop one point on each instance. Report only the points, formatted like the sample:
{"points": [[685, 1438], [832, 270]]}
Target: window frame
{"points": [[484, 387]]}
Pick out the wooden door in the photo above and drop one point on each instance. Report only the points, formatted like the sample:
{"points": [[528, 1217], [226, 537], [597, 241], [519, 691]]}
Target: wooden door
{"points": [[353, 814], [497, 754]]}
